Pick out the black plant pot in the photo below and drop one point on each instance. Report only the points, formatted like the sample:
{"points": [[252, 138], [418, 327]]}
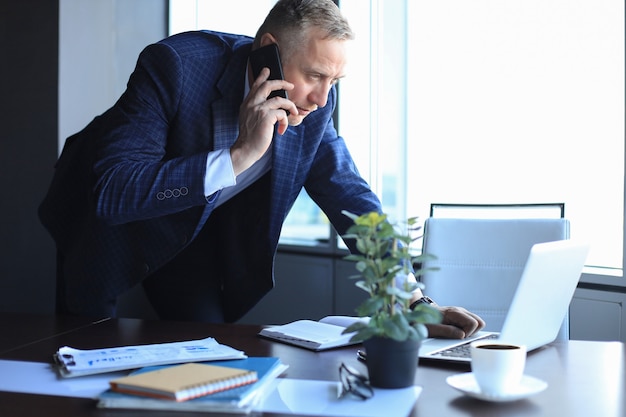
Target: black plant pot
{"points": [[391, 364]]}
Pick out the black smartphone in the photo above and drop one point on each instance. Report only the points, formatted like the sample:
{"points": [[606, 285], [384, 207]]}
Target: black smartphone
{"points": [[268, 57]]}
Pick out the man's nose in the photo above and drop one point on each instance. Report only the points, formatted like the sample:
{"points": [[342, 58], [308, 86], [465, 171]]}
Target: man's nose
{"points": [[319, 95]]}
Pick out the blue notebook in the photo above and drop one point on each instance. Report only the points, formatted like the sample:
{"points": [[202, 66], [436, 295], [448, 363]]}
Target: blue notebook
{"points": [[240, 399]]}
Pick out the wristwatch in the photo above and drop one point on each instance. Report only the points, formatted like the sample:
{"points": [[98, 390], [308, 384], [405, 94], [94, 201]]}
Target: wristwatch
{"points": [[424, 300]]}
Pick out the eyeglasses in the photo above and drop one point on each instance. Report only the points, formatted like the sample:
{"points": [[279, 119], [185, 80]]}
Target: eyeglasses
{"points": [[355, 383]]}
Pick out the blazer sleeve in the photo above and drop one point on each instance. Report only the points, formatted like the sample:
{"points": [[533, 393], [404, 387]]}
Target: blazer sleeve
{"points": [[138, 173], [335, 184]]}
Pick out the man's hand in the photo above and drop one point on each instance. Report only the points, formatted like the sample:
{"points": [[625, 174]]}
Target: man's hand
{"points": [[257, 117], [457, 323]]}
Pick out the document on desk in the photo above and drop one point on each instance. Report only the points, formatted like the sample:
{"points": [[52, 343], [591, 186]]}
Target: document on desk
{"points": [[39, 378], [326, 333], [73, 362], [319, 398]]}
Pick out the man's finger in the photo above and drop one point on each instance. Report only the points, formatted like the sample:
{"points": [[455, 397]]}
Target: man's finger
{"points": [[445, 331]]}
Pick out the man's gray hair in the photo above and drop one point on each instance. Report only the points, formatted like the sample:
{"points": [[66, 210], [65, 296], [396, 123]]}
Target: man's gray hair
{"points": [[289, 22]]}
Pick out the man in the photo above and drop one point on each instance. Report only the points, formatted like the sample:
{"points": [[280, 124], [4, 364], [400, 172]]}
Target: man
{"points": [[183, 185]]}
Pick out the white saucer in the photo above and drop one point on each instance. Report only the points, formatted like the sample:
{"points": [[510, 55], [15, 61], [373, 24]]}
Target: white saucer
{"points": [[466, 383]]}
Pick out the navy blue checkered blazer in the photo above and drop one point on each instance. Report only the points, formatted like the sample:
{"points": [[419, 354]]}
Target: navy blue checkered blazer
{"points": [[128, 194]]}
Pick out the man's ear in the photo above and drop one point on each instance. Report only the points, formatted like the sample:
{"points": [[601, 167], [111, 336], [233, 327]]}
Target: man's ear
{"points": [[267, 39]]}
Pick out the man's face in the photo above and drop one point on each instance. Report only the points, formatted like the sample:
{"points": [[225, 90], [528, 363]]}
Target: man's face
{"points": [[313, 69]]}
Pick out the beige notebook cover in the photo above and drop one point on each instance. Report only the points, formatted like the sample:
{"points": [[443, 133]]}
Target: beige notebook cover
{"points": [[183, 382]]}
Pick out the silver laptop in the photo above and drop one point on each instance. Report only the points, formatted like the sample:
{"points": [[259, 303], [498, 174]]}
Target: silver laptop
{"points": [[539, 306]]}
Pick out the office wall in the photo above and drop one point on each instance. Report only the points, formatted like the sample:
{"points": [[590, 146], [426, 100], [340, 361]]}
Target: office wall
{"points": [[99, 41], [28, 143], [63, 62]]}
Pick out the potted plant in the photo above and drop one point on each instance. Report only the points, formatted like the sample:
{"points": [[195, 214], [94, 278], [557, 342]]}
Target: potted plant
{"points": [[393, 333]]}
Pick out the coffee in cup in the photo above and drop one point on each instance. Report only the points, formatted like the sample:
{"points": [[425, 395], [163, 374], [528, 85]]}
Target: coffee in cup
{"points": [[498, 367]]}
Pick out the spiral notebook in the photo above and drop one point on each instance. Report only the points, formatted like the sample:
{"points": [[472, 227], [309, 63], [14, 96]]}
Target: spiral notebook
{"points": [[184, 382]]}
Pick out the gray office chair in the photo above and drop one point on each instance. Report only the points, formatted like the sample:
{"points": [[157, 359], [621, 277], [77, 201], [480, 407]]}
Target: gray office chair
{"points": [[481, 261]]}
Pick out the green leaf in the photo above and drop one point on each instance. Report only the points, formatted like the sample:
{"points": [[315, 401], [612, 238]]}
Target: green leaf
{"points": [[354, 327], [370, 306], [420, 330], [402, 294], [363, 285], [348, 214], [424, 313], [396, 327], [365, 333]]}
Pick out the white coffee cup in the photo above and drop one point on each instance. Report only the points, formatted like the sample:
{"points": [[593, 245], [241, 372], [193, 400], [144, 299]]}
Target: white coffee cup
{"points": [[498, 367]]}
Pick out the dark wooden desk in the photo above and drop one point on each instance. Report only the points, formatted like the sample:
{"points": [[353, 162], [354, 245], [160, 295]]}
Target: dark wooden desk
{"points": [[585, 378], [20, 329]]}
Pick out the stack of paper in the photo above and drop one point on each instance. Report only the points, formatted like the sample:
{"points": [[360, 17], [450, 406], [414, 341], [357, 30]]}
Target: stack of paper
{"points": [[319, 398], [76, 362]]}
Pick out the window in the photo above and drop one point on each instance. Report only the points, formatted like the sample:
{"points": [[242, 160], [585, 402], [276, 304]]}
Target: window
{"points": [[514, 101], [187, 15], [522, 101]]}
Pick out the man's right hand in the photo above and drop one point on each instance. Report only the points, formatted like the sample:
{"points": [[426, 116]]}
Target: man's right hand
{"points": [[257, 118], [457, 323]]}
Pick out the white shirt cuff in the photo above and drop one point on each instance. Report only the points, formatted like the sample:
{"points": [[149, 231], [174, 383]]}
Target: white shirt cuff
{"points": [[219, 172]]}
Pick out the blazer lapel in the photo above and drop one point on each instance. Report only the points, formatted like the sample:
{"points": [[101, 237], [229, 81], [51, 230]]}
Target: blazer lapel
{"points": [[226, 108]]}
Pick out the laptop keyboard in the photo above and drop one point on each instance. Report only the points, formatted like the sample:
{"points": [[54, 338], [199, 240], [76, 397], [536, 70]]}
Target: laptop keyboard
{"points": [[463, 350]]}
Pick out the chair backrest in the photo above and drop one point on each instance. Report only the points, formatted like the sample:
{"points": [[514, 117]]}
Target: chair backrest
{"points": [[480, 262], [498, 211]]}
